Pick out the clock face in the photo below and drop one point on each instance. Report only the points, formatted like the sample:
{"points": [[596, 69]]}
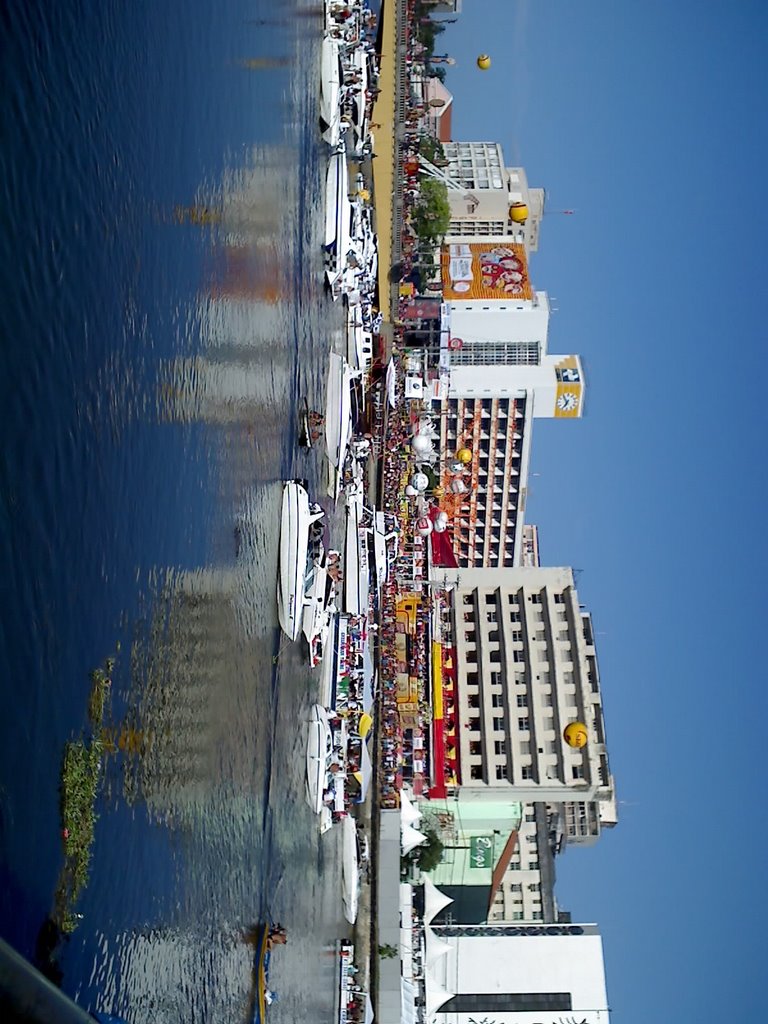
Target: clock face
{"points": [[567, 401]]}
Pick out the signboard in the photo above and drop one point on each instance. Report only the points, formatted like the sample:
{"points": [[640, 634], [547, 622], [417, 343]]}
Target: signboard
{"points": [[482, 270], [480, 851], [569, 390]]}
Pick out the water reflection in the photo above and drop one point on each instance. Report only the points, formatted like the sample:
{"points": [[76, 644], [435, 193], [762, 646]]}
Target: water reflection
{"points": [[189, 315]]}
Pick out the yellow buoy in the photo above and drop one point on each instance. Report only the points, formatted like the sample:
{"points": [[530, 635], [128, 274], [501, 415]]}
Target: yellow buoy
{"points": [[483, 61], [518, 213], [575, 734], [464, 455]]}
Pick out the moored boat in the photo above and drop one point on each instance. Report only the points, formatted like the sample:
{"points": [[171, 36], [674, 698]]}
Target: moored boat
{"points": [[298, 515], [319, 752]]}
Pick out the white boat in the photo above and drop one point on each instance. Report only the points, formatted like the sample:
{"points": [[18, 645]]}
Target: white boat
{"points": [[330, 91], [338, 417], [380, 554], [319, 751], [338, 220], [356, 581], [350, 873], [318, 609], [296, 519]]}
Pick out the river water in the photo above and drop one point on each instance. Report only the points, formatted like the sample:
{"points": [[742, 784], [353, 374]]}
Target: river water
{"points": [[163, 309]]}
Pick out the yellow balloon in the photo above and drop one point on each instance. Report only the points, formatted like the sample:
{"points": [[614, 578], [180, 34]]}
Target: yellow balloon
{"points": [[464, 455], [576, 735], [483, 61]]}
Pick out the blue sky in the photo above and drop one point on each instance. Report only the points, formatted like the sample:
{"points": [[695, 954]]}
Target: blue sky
{"points": [[649, 120]]}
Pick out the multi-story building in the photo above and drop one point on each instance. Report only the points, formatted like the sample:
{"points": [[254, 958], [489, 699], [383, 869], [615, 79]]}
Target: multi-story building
{"points": [[488, 199], [526, 890], [489, 412], [516, 974], [525, 667]]}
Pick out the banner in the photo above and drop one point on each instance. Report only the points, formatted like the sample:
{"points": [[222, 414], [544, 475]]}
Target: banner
{"points": [[480, 851], [482, 270]]}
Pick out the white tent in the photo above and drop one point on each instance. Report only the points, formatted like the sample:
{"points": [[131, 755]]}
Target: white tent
{"points": [[411, 838], [409, 813], [407, 1002], [437, 996], [434, 901], [436, 947]]}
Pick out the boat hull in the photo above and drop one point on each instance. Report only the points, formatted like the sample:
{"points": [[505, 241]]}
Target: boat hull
{"points": [[319, 748], [296, 518]]}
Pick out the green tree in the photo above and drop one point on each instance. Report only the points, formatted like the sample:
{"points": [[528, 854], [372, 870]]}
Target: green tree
{"points": [[387, 952], [432, 214], [430, 854]]}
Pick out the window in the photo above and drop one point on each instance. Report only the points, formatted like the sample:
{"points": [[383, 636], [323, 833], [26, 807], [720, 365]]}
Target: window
{"points": [[493, 635], [526, 772], [542, 654], [533, 865], [501, 772], [515, 865], [562, 634], [535, 598], [518, 656], [546, 700], [524, 723], [559, 598], [540, 636], [534, 887], [471, 678], [495, 678], [476, 771], [516, 635], [530, 816], [498, 722], [500, 748], [578, 771], [490, 617], [476, 748], [548, 722], [473, 700], [490, 599], [471, 655], [537, 916], [514, 616], [494, 655], [522, 700], [467, 599], [525, 747], [516, 887], [497, 700], [532, 839], [517, 915]]}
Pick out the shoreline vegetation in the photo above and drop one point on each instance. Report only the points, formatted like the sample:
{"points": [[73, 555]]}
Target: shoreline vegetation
{"points": [[79, 787]]}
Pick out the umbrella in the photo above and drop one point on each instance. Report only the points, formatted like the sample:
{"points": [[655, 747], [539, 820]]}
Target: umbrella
{"points": [[364, 724]]}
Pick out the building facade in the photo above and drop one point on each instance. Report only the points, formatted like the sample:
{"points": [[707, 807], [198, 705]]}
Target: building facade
{"points": [[488, 199], [525, 667], [489, 412], [518, 974]]}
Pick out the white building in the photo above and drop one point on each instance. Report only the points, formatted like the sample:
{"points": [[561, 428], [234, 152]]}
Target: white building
{"points": [[489, 411], [525, 667], [528, 974], [488, 199]]}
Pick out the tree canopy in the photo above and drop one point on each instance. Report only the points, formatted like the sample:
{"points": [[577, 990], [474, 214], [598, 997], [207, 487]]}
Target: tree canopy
{"points": [[432, 213]]}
